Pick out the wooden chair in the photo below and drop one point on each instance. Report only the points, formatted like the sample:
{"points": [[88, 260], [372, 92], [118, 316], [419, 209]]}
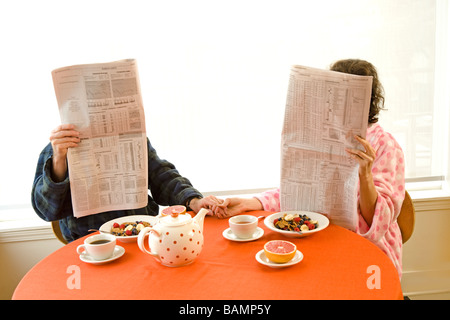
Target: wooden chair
{"points": [[406, 218], [57, 231]]}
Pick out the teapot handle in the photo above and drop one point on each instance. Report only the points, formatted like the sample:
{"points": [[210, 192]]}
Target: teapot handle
{"points": [[141, 238]]}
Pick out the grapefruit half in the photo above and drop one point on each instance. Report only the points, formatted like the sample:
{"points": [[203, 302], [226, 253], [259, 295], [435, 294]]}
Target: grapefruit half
{"points": [[173, 210], [280, 251]]}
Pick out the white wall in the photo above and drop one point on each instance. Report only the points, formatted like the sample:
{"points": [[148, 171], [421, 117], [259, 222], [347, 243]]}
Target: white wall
{"points": [[426, 256], [17, 257]]}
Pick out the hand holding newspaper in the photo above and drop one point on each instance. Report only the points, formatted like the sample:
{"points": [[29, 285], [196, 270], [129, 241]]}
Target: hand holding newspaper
{"points": [[108, 170], [324, 111]]}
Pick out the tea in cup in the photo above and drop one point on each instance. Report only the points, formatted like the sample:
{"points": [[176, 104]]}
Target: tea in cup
{"points": [[243, 226], [98, 247]]}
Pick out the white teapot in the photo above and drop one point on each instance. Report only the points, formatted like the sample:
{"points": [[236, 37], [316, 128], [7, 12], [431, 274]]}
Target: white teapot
{"points": [[175, 240]]}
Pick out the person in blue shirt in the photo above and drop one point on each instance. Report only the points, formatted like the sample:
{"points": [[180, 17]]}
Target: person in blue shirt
{"points": [[51, 198]]}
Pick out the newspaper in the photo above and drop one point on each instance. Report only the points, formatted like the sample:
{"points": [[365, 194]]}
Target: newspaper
{"points": [[324, 110], [108, 170]]}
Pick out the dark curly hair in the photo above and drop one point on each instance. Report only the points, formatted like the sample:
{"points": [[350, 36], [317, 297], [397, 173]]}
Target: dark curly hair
{"points": [[364, 68]]}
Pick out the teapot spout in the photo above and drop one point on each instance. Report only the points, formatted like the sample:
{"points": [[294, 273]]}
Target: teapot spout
{"points": [[200, 217]]}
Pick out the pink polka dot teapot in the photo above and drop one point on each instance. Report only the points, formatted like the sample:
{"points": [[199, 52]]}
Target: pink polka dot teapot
{"points": [[175, 240]]}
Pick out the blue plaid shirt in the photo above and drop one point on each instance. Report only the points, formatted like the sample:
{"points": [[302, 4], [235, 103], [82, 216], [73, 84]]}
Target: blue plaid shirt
{"points": [[52, 201]]}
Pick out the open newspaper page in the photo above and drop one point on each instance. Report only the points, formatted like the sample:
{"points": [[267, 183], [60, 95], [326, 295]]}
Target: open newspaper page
{"points": [[108, 170], [324, 110]]}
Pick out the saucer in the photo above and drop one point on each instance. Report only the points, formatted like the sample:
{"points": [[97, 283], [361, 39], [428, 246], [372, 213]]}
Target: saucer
{"points": [[228, 234], [261, 258], [118, 252]]}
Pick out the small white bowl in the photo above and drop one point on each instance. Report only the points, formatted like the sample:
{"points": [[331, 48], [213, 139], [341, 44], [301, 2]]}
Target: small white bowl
{"points": [[107, 226], [320, 218], [261, 258]]}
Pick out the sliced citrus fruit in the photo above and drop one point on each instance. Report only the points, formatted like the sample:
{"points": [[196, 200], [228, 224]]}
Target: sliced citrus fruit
{"points": [[280, 251], [176, 210]]}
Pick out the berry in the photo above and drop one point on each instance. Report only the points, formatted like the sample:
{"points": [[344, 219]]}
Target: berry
{"points": [[115, 225], [128, 232], [311, 226]]}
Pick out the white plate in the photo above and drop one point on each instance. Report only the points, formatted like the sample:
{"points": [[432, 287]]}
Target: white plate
{"points": [[261, 258], [118, 252], [106, 227], [321, 219], [228, 234]]}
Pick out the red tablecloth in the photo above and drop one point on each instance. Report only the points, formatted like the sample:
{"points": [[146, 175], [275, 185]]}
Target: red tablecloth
{"points": [[335, 266]]}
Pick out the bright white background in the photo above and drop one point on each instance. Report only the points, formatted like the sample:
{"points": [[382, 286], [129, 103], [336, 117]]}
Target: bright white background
{"points": [[214, 77]]}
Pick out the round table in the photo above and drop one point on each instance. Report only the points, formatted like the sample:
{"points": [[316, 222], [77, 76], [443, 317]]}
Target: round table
{"points": [[337, 264]]}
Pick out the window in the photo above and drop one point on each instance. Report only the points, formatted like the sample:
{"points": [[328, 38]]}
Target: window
{"points": [[214, 77]]}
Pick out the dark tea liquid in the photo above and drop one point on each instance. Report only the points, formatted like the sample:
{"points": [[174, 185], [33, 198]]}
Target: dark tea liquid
{"points": [[100, 241]]}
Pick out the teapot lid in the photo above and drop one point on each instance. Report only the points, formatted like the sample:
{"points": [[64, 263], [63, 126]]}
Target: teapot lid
{"points": [[176, 219]]}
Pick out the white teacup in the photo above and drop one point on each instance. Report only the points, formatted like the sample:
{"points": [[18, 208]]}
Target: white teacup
{"points": [[243, 226], [99, 246]]}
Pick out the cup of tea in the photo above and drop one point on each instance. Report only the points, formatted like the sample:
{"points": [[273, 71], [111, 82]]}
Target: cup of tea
{"points": [[98, 247], [243, 226]]}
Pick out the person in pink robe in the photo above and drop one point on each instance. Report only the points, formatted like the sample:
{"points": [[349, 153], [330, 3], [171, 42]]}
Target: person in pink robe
{"points": [[381, 188]]}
